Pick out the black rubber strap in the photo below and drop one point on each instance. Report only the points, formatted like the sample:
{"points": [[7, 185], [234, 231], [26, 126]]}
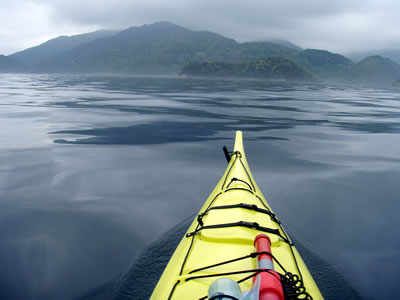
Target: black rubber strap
{"points": [[173, 289], [251, 255], [222, 274], [251, 225], [234, 179], [245, 206]]}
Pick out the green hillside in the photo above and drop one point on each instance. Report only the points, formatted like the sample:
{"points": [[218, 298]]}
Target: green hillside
{"points": [[375, 70], [286, 44], [393, 54], [9, 65], [324, 64], [56, 46], [274, 68], [163, 48], [160, 48]]}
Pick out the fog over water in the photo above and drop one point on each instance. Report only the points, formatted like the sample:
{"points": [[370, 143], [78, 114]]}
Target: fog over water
{"points": [[94, 169], [342, 26]]}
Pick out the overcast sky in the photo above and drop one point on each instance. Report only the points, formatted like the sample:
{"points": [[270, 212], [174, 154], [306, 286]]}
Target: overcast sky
{"points": [[340, 26]]}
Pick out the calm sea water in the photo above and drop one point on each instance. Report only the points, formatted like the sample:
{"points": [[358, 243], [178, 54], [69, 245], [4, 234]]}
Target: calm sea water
{"points": [[95, 169]]}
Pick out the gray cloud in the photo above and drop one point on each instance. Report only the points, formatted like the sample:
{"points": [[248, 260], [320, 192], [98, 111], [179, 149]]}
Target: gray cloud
{"points": [[339, 26]]}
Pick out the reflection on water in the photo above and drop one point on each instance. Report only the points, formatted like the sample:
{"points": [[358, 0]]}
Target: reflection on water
{"points": [[93, 169]]}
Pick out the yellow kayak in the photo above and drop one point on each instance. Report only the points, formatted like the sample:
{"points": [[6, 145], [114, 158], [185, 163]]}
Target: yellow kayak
{"points": [[220, 249]]}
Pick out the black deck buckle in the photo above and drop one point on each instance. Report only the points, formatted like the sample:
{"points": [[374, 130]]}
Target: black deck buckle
{"points": [[249, 224], [200, 220], [248, 206]]}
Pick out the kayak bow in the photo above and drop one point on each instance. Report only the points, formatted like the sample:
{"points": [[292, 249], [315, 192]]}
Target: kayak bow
{"points": [[236, 239]]}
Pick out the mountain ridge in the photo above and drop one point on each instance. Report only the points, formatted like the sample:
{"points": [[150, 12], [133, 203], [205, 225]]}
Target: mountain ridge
{"points": [[53, 47], [10, 65], [376, 69], [393, 54], [163, 48]]}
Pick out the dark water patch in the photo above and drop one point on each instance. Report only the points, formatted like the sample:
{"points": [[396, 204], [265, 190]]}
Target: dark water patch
{"points": [[370, 114], [173, 132], [159, 133], [202, 85], [145, 134], [99, 293], [57, 254], [143, 108], [267, 138], [370, 127], [373, 103], [331, 283], [357, 233], [144, 273]]}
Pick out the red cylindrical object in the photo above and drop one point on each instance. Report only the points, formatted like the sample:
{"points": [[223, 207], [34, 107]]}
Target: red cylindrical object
{"points": [[270, 283], [263, 244]]}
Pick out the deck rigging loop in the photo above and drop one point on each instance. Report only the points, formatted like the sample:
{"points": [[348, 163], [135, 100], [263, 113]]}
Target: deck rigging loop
{"points": [[247, 206], [293, 286], [234, 179], [251, 225]]}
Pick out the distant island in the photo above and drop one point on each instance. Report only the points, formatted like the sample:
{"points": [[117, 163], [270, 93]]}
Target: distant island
{"points": [[272, 68], [165, 49]]}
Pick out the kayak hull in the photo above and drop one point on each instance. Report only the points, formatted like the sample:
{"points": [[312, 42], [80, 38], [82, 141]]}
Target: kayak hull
{"points": [[224, 231]]}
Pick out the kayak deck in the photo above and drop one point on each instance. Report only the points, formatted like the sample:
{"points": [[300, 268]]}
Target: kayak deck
{"points": [[220, 241]]}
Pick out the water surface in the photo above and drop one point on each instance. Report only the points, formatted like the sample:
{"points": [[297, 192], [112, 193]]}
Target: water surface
{"points": [[93, 169]]}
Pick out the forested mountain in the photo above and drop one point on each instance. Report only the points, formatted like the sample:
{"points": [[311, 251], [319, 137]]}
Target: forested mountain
{"points": [[32, 56], [274, 68], [375, 70], [159, 48], [393, 54], [7, 64], [163, 48], [324, 64], [286, 44]]}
